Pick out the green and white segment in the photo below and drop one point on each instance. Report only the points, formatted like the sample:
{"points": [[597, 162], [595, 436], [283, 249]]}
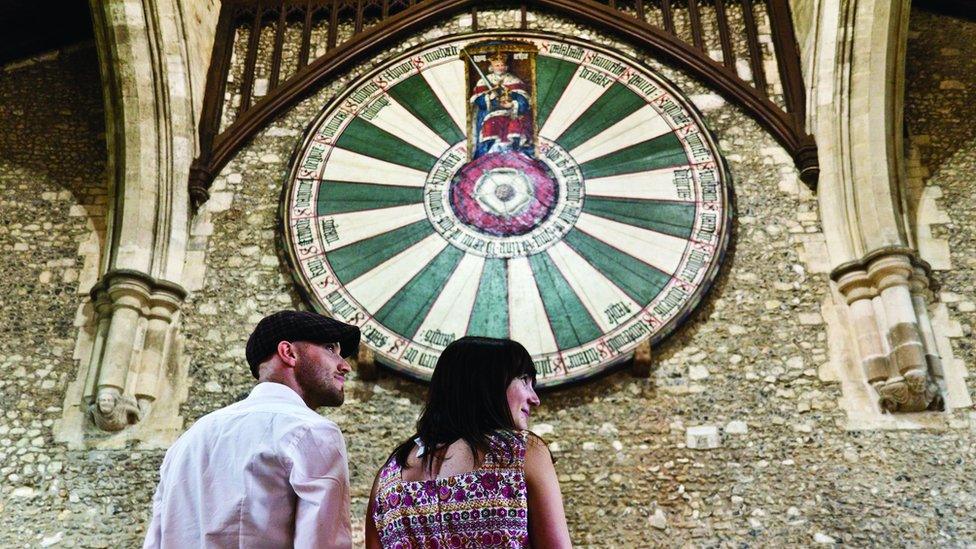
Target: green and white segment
{"points": [[627, 262]]}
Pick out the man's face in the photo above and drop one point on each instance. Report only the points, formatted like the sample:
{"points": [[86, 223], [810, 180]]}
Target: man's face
{"points": [[321, 373], [498, 66]]}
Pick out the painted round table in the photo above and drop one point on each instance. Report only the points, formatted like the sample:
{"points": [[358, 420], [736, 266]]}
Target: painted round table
{"points": [[516, 184]]}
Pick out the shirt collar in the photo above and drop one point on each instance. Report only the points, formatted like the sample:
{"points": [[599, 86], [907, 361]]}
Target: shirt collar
{"points": [[276, 391]]}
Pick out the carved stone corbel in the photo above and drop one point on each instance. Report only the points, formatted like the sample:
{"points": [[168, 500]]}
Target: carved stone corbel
{"points": [[134, 318], [885, 293], [133, 360]]}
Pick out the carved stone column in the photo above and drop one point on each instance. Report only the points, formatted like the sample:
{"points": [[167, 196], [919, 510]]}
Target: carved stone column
{"points": [[857, 290], [921, 297], [113, 408]]}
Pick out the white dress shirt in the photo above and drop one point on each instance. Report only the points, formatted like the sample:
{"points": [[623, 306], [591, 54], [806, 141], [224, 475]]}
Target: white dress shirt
{"points": [[264, 472]]}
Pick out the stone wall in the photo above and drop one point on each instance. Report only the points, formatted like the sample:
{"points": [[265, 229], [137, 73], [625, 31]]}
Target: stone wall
{"points": [[748, 363], [53, 205]]}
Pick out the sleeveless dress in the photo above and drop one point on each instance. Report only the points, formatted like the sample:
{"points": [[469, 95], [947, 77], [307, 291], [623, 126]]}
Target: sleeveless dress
{"points": [[482, 508]]}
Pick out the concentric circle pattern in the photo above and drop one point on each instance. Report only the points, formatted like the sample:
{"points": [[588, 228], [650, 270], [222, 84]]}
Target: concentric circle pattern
{"points": [[519, 185]]}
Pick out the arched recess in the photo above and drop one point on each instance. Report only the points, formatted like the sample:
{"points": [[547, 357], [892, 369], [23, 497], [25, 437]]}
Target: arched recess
{"points": [[786, 123], [856, 83]]}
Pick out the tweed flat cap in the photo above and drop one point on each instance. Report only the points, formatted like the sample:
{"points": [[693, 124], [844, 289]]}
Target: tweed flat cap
{"points": [[298, 326]]}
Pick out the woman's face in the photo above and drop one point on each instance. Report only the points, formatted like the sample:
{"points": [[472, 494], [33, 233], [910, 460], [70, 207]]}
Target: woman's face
{"points": [[521, 399]]}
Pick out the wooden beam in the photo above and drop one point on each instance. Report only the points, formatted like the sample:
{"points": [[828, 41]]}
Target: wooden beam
{"points": [[787, 59], [694, 17], [250, 60], [667, 16], [755, 53], [213, 105], [276, 51], [728, 55], [333, 24], [306, 35]]}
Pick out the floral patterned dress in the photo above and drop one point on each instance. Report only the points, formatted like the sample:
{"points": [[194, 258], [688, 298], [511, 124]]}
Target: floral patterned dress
{"points": [[481, 508]]}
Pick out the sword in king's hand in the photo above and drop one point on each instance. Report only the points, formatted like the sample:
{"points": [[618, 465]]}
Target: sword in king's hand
{"points": [[480, 73]]}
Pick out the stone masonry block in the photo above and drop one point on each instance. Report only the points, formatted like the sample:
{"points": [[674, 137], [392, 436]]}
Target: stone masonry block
{"points": [[702, 437]]}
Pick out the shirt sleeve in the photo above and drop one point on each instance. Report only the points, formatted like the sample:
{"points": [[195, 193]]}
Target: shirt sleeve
{"points": [[320, 478], [154, 532]]}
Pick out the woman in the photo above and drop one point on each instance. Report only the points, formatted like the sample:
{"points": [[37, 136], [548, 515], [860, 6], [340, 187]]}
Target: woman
{"points": [[472, 476]]}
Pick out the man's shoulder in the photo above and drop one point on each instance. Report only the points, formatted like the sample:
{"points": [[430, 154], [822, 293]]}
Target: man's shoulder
{"points": [[282, 418], [319, 427]]}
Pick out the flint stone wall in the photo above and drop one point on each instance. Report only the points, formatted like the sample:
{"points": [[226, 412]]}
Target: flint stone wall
{"points": [[748, 363]]}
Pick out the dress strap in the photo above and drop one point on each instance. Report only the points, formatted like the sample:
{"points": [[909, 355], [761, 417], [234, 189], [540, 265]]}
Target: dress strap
{"points": [[390, 473], [508, 450]]}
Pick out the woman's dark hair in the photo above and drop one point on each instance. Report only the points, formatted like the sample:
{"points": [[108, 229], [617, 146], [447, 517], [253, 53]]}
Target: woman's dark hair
{"points": [[466, 398]]}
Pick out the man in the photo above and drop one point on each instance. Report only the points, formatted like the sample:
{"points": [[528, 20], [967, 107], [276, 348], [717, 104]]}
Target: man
{"points": [[503, 112], [267, 471]]}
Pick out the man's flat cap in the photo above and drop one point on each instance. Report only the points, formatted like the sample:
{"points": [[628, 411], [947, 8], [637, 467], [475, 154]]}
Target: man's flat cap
{"points": [[298, 326]]}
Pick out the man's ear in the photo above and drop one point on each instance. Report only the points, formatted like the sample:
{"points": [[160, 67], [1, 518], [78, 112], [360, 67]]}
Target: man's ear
{"points": [[287, 353]]}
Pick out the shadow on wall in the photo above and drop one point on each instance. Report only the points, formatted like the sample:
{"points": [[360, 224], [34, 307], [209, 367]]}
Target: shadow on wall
{"points": [[37, 131], [931, 91]]}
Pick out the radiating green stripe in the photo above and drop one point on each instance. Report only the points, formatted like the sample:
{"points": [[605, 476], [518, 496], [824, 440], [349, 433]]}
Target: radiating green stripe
{"points": [[673, 218], [570, 321], [340, 197], [489, 316], [552, 77], [406, 310], [663, 151], [416, 96], [614, 105], [637, 279], [351, 261], [364, 138]]}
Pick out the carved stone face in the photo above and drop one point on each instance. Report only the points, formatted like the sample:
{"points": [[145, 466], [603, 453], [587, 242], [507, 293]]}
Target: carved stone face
{"points": [[106, 402]]}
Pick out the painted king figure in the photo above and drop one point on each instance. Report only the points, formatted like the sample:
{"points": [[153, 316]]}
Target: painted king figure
{"points": [[503, 111]]}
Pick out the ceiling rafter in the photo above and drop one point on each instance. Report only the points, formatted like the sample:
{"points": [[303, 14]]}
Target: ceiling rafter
{"points": [[355, 30]]}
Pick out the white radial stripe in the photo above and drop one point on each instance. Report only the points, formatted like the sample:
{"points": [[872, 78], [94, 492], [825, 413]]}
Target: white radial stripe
{"points": [[660, 250], [355, 226], [595, 290], [528, 322], [649, 185], [401, 123], [452, 310], [443, 79], [643, 124], [374, 288], [576, 98], [345, 165]]}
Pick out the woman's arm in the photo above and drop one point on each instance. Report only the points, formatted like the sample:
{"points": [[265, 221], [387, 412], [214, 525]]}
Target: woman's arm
{"points": [[372, 536], [547, 520]]}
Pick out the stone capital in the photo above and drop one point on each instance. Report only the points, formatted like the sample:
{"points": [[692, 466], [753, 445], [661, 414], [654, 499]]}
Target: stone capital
{"points": [[890, 270], [919, 282], [136, 290], [854, 285]]}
